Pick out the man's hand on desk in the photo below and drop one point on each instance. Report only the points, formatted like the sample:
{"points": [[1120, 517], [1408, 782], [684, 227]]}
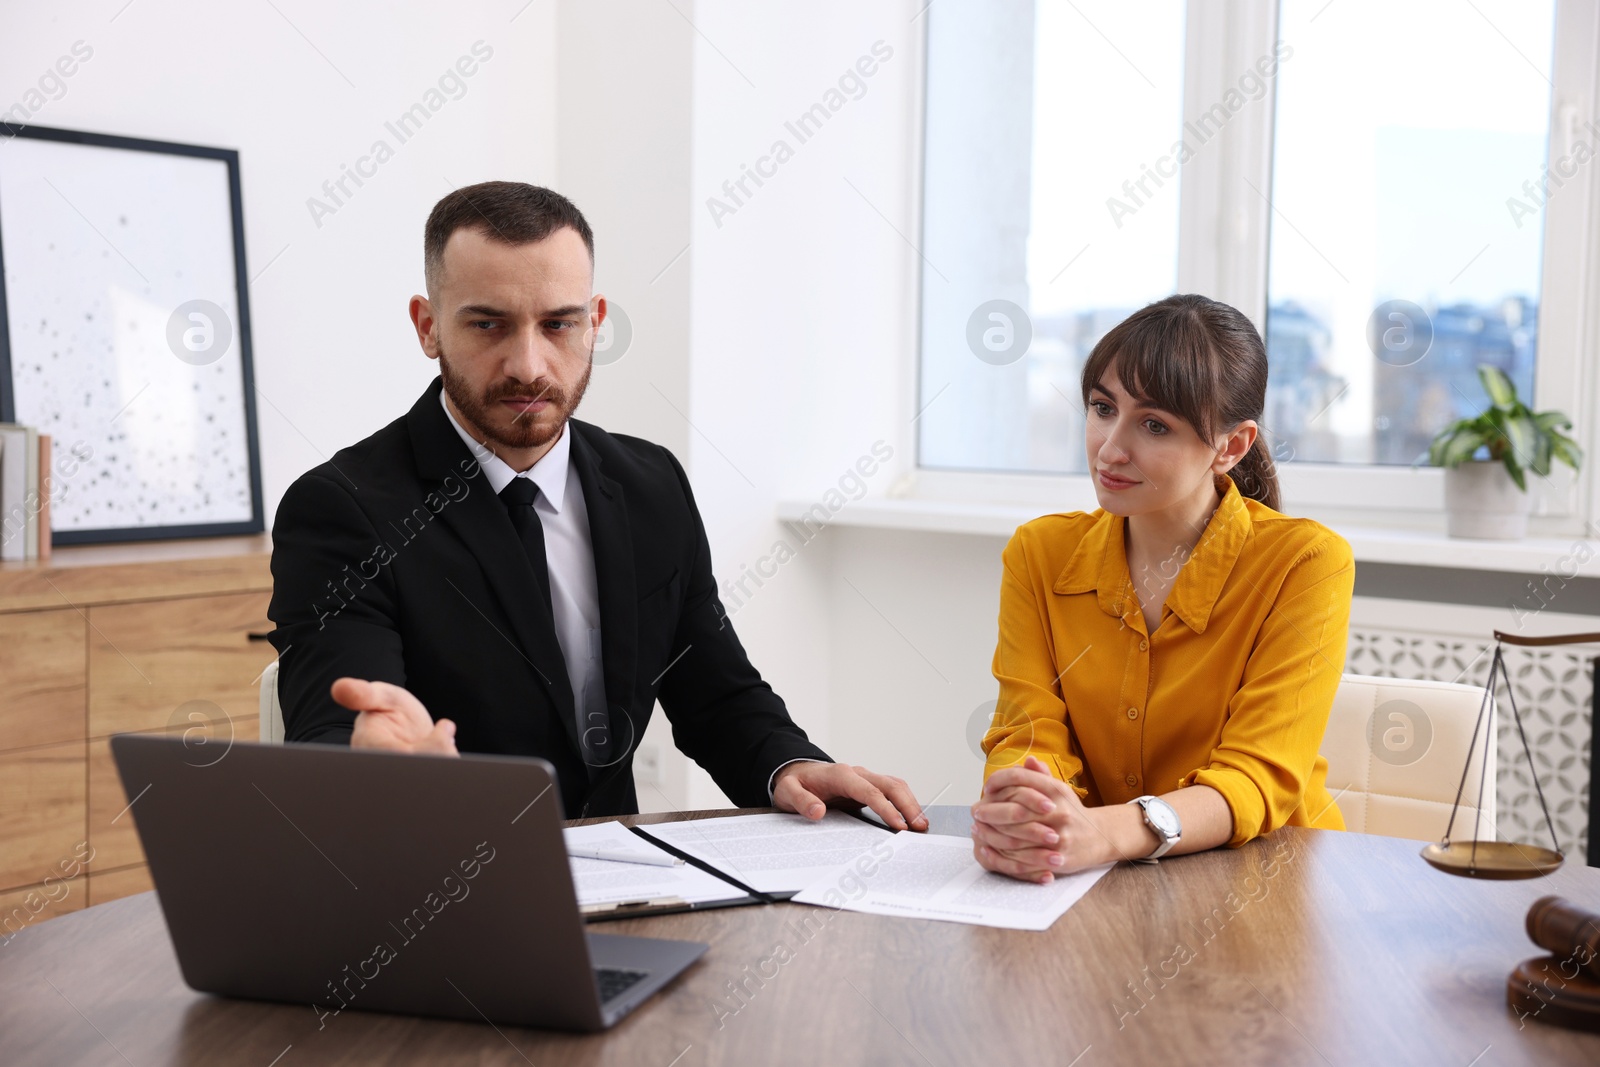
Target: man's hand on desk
{"points": [[1031, 825], [391, 718], [806, 787]]}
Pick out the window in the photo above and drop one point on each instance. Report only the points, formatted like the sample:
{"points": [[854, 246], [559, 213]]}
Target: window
{"points": [[1405, 242], [1045, 218], [1394, 193]]}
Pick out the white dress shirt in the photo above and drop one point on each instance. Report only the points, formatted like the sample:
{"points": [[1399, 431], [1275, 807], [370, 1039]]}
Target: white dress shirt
{"points": [[569, 555]]}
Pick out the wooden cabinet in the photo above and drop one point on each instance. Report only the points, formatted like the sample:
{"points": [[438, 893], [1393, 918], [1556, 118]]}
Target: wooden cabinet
{"points": [[42, 810], [101, 640], [157, 664], [42, 665]]}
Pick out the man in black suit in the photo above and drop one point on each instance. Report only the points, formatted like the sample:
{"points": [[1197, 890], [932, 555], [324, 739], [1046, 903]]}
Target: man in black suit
{"points": [[541, 580]]}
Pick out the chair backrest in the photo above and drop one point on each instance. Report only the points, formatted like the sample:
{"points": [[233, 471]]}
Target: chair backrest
{"points": [[271, 710], [1395, 749]]}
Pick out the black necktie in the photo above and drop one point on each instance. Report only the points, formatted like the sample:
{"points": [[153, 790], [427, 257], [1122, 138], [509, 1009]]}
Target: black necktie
{"points": [[594, 721], [519, 496]]}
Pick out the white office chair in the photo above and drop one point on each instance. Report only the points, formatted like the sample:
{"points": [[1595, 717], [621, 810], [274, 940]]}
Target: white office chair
{"points": [[1395, 749], [271, 710]]}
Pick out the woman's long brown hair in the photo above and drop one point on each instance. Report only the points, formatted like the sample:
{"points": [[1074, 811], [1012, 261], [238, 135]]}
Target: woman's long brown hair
{"points": [[1204, 362]]}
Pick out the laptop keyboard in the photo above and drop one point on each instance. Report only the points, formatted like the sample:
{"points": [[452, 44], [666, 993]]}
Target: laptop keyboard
{"points": [[615, 980]]}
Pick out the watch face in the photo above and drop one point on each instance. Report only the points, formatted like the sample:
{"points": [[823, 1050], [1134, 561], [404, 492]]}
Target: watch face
{"points": [[1163, 817]]}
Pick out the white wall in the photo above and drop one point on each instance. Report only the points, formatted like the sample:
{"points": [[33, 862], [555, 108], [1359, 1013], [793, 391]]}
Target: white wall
{"points": [[802, 312], [911, 687], [801, 307], [300, 94], [623, 76], [624, 124]]}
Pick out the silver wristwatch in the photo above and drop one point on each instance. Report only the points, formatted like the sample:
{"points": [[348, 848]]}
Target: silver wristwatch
{"points": [[1163, 819]]}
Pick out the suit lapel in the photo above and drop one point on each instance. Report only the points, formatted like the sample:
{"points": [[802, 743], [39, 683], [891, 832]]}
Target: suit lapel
{"points": [[612, 539], [480, 520]]}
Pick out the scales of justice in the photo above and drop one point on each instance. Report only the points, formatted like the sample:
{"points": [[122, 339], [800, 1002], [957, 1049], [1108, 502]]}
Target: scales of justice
{"points": [[1563, 988], [1478, 858]]}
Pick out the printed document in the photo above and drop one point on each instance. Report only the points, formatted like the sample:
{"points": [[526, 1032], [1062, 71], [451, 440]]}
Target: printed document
{"points": [[935, 877], [776, 853]]}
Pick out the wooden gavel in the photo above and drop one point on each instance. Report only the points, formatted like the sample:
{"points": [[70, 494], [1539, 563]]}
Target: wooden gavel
{"points": [[1569, 933]]}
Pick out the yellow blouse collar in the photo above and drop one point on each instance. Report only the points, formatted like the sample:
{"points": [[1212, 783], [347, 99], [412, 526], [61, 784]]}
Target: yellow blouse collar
{"points": [[1100, 564]]}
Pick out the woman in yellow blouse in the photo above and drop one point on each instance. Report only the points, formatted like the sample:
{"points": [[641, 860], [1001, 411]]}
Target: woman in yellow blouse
{"points": [[1166, 663]]}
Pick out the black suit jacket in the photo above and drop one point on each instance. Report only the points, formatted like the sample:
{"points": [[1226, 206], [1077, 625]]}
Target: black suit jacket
{"points": [[395, 561]]}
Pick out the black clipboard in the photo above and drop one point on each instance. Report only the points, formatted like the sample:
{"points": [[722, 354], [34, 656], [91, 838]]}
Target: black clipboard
{"points": [[672, 906], [669, 906]]}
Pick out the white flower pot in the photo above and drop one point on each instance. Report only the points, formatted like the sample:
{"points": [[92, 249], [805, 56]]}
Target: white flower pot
{"points": [[1482, 502]]}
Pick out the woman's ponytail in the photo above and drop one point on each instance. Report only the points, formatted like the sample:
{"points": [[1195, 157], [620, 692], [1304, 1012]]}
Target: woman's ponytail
{"points": [[1256, 474]]}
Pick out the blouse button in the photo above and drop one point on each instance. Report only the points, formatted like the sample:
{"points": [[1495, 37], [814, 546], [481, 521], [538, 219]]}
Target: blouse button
{"points": [[1143, 645], [1132, 779], [1133, 713]]}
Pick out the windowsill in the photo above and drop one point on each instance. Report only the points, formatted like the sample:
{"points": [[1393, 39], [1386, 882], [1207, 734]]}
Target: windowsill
{"points": [[1419, 548]]}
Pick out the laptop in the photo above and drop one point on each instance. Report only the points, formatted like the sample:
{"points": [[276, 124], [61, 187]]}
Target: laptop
{"points": [[375, 881]]}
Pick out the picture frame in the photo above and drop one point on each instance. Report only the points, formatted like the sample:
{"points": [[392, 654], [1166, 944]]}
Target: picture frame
{"points": [[125, 332]]}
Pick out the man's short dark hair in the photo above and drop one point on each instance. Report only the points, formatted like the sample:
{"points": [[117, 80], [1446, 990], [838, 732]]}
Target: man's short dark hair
{"points": [[512, 213]]}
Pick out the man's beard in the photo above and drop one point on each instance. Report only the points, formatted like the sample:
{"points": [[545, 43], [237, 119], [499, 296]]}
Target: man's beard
{"points": [[527, 430]]}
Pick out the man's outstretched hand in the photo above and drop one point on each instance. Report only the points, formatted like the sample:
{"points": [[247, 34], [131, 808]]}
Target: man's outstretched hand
{"points": [[807, 788], [391, 718]]}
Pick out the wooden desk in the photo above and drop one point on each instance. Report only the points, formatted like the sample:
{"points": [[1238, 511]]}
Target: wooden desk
{"points": [[1307, 947]]}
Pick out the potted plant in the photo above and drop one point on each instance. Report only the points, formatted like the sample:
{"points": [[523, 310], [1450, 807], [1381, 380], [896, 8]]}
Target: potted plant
{"points": [[1488, 498]]}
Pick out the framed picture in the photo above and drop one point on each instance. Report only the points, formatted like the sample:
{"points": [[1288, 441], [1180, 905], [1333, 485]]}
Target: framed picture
{"points": [[125, 332]]}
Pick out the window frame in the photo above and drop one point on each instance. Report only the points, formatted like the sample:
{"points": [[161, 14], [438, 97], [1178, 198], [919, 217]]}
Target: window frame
{"points": [[1224, 237]]}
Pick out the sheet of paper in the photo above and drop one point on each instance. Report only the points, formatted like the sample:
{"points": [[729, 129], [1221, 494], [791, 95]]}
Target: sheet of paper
{"points": [[935, 877], [780, 853], [610, 882]]}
